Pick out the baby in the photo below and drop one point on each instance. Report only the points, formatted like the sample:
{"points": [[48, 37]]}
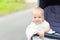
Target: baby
{"points": [[38, 25]]}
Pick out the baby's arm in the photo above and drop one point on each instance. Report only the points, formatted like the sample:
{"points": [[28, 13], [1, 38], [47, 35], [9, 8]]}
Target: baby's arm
{"points": [[42, 32], [30, 32], [47, 29]]}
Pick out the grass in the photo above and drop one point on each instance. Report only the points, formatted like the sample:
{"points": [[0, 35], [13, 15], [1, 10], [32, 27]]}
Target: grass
{"points": [[7, 8]]}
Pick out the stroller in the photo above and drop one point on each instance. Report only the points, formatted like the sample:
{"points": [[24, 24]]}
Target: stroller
{"points": [[52, 15]]}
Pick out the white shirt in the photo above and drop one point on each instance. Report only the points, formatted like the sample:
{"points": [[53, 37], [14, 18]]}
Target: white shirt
{"points": [[33, 28]]}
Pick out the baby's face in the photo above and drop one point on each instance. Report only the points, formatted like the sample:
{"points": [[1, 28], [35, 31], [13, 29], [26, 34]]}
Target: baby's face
{"points": [[38, 17]]}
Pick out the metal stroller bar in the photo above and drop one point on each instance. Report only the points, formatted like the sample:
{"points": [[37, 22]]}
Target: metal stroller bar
{"points": [[52, 36]]}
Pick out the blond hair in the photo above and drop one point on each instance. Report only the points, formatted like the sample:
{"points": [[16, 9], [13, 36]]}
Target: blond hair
{"points": [[38, 9]]}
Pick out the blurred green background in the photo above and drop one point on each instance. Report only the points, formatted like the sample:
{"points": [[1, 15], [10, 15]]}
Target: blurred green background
{"points": [[9, 6]]}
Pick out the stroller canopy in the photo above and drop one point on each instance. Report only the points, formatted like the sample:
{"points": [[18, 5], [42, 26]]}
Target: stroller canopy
{"points": [[45, 3]]}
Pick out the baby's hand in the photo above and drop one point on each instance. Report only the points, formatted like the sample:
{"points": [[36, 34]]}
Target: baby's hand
{"points": [[41, 34]]}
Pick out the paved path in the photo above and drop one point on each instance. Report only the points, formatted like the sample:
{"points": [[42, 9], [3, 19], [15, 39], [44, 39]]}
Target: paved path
{"points": [[12, 27]]}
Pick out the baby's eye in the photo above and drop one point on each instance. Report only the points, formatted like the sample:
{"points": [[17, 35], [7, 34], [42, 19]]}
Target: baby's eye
{"points": [[35, 17], [39, 17]]}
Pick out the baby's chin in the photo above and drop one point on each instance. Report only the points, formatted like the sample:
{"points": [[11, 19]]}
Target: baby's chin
{"points": [[37, 23]]}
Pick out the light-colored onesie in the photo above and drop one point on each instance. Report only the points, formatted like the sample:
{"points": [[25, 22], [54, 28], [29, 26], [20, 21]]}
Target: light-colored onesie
{"points": [[33, 28]]}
